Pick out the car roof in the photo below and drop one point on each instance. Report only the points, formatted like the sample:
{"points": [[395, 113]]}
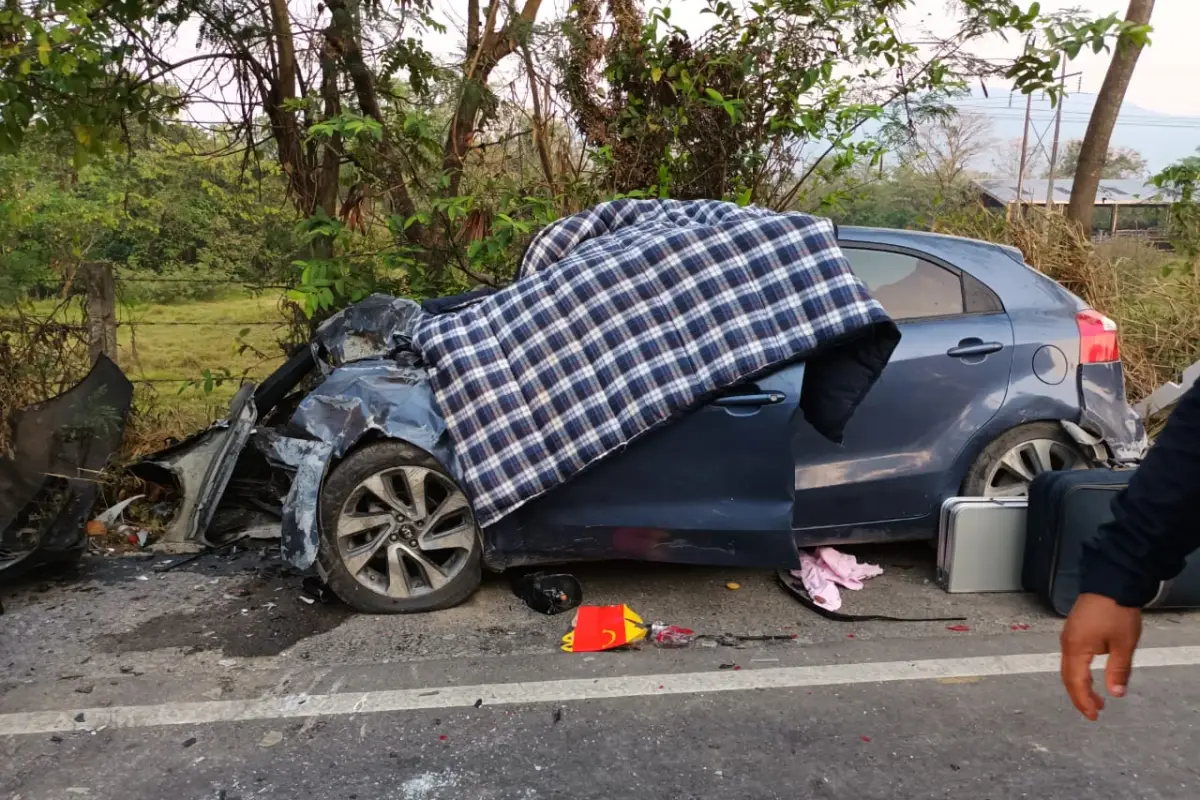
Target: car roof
{"points": [[958, 250]]}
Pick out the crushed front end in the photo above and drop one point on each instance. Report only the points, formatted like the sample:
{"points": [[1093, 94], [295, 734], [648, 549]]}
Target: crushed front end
{"points": [[263, 466]]}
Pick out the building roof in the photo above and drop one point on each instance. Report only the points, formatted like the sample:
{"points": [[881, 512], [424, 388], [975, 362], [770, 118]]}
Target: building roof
{"points": [[1112, 192]]}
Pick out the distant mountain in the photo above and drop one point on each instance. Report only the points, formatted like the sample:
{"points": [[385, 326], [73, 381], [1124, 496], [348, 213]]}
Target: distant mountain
{"points": [[1162, 139]]}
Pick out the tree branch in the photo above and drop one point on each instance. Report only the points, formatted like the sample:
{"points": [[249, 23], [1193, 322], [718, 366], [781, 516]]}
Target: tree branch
{"points": [[343, 40], [539, 122], [204, 57]]}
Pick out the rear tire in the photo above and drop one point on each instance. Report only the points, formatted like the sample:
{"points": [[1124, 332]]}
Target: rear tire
{"points": [[397, 535], [1006, 467]]}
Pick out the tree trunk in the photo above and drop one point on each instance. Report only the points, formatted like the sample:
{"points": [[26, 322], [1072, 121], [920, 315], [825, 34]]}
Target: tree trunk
{"points": [[1094, 149], [277, 91], [343, 36], [491, 48]]}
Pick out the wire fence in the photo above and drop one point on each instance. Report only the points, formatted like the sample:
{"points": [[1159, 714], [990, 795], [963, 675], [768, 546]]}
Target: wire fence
{"points": [[88, 313]]}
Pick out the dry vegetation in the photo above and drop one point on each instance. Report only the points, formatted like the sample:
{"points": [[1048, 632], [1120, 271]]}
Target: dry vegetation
{"points": [[235, 338]]}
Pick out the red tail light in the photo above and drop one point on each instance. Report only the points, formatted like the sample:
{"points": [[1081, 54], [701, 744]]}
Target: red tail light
{"points": [[1097, 338]]}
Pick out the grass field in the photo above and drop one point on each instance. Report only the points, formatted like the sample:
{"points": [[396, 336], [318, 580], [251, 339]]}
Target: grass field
{"points": [[167, 348]]}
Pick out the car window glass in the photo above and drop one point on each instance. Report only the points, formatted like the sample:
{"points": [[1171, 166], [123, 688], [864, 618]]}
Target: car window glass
{"points": [[908, 287]]}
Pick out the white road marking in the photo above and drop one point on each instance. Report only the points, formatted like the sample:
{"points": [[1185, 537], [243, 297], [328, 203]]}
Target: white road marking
{"points": [[559, 691]]}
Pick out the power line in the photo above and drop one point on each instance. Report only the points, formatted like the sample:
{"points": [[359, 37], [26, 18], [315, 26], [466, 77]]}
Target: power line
{"points": [[1150, 118], [202, 379], [1129, 124], [215, 323]]}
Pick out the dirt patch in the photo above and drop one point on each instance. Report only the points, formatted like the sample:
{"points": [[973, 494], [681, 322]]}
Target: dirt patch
{"points": [[263, 617]]}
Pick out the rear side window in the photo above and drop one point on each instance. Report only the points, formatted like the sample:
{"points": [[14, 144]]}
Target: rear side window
{"points": [[906, 286]]}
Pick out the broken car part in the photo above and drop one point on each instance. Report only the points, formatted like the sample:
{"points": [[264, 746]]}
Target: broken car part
{"points": [[172, 565], [357, 400], [363, 401], [313, 587], [1169, 393], [49, 485], [375, 327], [306, 461], [738, 639], [200, 468], [1107, 415], [548, 593]]}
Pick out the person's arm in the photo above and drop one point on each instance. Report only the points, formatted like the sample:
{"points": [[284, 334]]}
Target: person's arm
{"points": [[1146, 543], [1154, 528]]}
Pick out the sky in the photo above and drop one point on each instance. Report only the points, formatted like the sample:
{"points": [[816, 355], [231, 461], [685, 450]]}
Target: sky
{"points": [[1165, 70]]}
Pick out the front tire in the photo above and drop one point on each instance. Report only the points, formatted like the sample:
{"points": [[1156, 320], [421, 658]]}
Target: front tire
{"points": [[397, 535], [1009, 464]]}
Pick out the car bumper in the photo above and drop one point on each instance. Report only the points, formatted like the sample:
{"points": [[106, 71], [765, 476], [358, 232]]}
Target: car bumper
{"points": [[1107, 416]]}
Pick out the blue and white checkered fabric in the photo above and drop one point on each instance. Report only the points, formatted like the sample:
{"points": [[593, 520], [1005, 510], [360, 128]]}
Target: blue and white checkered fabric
{"points": [[626, 315]]}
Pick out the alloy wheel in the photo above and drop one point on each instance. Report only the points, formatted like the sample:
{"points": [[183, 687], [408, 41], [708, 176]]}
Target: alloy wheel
{"points": [[1012, 473], [406, 531]]}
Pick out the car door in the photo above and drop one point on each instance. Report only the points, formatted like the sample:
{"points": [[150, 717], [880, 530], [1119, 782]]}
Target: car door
{"points": [[712, 487], [948, 376]]}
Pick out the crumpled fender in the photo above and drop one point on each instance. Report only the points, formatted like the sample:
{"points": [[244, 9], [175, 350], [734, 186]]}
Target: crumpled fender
{"points": [[363, 400]]}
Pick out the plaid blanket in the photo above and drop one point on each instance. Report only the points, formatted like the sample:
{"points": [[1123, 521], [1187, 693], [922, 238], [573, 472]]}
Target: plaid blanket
{"points": [[627, 315]]}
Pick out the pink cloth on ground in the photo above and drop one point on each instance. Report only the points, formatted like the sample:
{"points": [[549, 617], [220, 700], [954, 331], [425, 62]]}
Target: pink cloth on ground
{"points": [[824, 569]]}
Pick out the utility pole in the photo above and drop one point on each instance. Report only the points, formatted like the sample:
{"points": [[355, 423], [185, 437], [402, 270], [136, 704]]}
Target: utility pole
{"points": [[1024, 153], [1062, 84]]}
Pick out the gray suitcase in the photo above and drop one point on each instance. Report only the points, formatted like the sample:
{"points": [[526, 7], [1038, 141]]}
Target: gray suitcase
{"points": [[981, 544]]}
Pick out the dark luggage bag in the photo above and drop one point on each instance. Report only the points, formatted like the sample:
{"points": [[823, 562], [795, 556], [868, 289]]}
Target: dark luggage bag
{"points": [[1066, 509]]}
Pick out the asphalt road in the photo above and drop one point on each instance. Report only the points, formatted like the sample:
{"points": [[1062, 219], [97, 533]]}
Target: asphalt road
{"points": [[218, 681]]}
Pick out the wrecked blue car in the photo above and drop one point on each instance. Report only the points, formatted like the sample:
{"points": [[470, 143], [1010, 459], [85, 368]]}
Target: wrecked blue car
{"points": [[666, 381]]}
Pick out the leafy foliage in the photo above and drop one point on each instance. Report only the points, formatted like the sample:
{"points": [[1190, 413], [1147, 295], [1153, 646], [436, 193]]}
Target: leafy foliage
{"points": [[174, 225], [405, 173], [775, 95], [63, 66], [1182, 182]]}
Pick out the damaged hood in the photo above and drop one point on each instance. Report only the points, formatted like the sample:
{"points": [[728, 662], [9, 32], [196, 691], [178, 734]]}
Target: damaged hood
{"points": [[376, 327]]}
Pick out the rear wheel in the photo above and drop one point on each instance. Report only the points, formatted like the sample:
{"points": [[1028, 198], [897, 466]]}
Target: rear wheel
{"points": [[397, 532], [1009, 464]]}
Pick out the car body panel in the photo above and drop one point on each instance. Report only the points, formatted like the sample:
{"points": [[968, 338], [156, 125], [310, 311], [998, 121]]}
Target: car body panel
{"points": [[713, 487], [925, 409], [1107, 414], [48, 480], [376, 398], [1045, 383]]}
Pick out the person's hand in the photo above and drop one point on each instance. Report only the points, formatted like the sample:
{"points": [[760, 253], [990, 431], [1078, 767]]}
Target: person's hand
{"points": [[1097, 625]]}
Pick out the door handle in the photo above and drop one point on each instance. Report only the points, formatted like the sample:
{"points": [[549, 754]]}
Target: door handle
{"points": [[974, 347], [744, 400]]}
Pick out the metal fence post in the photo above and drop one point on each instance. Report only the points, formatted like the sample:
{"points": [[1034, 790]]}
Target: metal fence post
{"points": [[101, 290]]}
